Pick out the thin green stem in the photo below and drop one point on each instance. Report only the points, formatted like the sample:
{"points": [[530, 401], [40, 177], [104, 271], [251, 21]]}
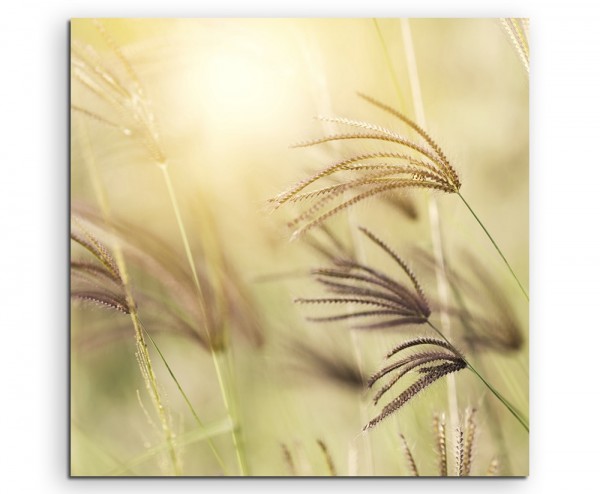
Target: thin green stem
{"points": [[150, 377], [96, 445], [142, 354], [511, 408], [496, 246], [219, 371], [236, 431], [184, 236], [433, 210], [388, 61], [516, 413], [494, 423], [189, 404], [185, 439]]}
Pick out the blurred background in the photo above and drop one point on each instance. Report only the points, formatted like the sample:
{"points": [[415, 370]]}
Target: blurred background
{"points": [[226, 99]]}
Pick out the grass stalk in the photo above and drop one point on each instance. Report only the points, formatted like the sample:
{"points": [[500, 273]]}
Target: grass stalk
{"points": [[150, 376], [96, 445], [494, 422], [315, 65], [242, 463], [388, 61], [142, 116], [436, 237], [185, 439], [356, 347], [236, 431], [432, 206], [509, 406], [434, 216], [143, 356], [495, 246], [201, 425], [512, 409]]}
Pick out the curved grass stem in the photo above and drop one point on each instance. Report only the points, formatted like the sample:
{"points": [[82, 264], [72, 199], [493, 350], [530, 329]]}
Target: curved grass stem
{"points": [[388, 61], [435, 225], [496, 246], [142, 355], [150, 378], [494, 423], [218, 368], [201, 425], [509, 406]]}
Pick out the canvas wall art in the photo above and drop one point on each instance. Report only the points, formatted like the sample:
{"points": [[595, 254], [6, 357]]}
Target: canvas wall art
{"points": [[299, 247]]}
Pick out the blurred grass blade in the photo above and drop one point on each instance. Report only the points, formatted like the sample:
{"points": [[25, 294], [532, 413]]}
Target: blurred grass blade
{"points": [[523, 290], [188, 402], [223, 426]]}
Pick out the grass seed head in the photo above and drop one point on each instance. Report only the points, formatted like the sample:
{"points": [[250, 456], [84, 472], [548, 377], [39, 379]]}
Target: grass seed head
{"points": [[407, 164]]}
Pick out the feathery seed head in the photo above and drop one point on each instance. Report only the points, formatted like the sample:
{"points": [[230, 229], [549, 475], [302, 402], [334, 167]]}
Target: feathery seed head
{"points": [[406, 164], [409, 457], [463, 447], [98, 282], [396, 304], [131, 111], [350, 282]]}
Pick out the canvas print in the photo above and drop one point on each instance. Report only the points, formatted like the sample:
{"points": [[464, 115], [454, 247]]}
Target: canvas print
{"points": [[299, 247]]}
